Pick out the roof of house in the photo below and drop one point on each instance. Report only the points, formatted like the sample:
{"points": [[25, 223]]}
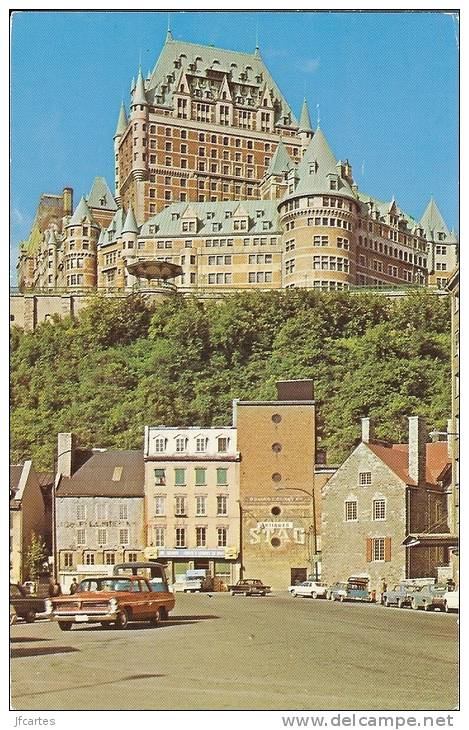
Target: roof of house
{"points": [[432, 222], [100, 196], [246, 70], [396, 456], [280, 162], [305, 119], [81, 213], [121, 121], [15, 474], [107, 474]]}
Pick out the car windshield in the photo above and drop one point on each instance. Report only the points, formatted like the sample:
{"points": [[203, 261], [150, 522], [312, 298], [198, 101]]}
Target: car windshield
{"points": [[105, 584]]}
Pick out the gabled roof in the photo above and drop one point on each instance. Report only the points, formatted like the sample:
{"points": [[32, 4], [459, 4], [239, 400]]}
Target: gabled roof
{"points": [[305, 120], [396, 457], [207, 59], [219, 216], [107, 474], [317, 168], [432, 223], [121, 122], [115, 227], [100, 196], [130, 225], [81, 212], [281, 162]]}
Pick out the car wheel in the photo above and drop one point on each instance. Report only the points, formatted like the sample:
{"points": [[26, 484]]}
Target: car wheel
{"points": [[156, 618], [246, 593], [328, 596], [427, 606], [399, 603], [314, 594], [445, 607], [386, 602], [232, 593], [341, 598], [122, 619], [30, 617], [65, 625], [414, 605]]}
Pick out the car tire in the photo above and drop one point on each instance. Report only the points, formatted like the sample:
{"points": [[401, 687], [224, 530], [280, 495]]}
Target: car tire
{"points": [[427, 606], [414, 605], [445, 607], [155, 620], [122, 619], [399, 603], [30, 617], [65, 625], [246, 593], [232, 593], [341, 598], [314, 594], [386, 602]]}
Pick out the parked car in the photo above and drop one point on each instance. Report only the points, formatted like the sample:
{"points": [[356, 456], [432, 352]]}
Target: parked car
{"points": [[116, 600], [427, 597], [249, 587], [400, 595], [354, 589], [193, 581], [451, 601], [26, 605], [310, 588]]}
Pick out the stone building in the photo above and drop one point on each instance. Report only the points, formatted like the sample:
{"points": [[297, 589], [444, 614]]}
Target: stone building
{"points": [[192, 499], [379, 503], [214, 173], [99, 509], [29, 513], [453, 437]]}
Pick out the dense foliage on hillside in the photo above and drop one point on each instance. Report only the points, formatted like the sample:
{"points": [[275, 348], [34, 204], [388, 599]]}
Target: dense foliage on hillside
{"points": [[124, 365]]}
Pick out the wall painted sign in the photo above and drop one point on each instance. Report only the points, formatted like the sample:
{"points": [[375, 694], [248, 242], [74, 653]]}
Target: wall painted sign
{"points": [[284, 531]]}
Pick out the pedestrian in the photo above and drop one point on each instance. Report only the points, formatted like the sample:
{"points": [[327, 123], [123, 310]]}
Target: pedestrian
{"points": [[73, 586], [54, 588], [383, 589]]}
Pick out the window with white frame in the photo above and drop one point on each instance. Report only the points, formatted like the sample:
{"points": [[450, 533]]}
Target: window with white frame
{"points": [[379, 509], [200, 536], [109, 558], [222, 504], [181, 444], [89, 558], [160, 505], [180, 506], [123, 511], [222, 446], [124, 536], [67, 560], [201, 444], [364, 478], [180, 537], [102, 536], [101, 511], [378, 549], [159, 445], [81, 511], [351, 510], [81, 537], [159, 536], [222, 533], [200, 505]]}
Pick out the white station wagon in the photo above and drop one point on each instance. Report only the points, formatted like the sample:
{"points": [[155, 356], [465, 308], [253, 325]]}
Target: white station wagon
{"points": [[309, 589]]}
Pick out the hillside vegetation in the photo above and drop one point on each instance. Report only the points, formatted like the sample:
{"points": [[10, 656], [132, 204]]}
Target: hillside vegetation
{"points": [[124, 365]]}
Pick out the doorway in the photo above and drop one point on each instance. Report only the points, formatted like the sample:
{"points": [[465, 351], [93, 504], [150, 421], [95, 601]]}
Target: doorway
{"points": [[297, 575]]}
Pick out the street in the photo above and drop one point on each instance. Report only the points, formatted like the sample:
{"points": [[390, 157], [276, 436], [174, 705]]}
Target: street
{"points": [[235, 652]]}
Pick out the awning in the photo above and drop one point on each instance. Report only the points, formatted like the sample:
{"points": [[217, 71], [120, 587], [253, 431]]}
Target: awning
{"points": [[431, 539]]}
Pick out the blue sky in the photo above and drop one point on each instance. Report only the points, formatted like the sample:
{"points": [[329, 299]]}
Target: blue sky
{"points": [[386, 83]]}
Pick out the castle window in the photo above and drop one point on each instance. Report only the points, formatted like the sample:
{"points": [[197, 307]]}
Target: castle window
{"points": [[351, 510]]}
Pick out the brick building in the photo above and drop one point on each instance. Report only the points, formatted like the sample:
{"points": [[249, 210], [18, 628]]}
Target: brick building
{"points": [[378, 498], [213, 172]]}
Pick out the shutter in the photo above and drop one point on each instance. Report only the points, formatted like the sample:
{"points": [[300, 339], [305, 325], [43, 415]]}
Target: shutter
{"points": [[369, 549], [387, 549]]}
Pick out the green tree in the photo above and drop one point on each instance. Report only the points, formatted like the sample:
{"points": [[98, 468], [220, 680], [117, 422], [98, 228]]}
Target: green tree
{"points": [[36, 556]]}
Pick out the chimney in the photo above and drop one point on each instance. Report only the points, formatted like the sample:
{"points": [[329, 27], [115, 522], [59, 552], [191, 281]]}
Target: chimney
{"points": [[65, 454], [368, 430], [417, 448], [68, 201], [297, 390]]}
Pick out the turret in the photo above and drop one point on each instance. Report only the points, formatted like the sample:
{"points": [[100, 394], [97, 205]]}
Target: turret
{"points": [[80, 258], [120, 131], [139, 117], [305, 131]]}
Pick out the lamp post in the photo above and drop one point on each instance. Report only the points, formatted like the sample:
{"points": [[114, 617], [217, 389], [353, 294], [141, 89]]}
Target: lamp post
{"points": [[315, 537]]}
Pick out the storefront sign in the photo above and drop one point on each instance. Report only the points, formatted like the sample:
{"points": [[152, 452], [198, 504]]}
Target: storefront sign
{"points": [[196, 553]]}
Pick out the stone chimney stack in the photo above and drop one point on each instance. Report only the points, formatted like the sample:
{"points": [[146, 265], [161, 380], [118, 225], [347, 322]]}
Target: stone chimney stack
{"points": [[68, 201], [368, 431], [65, 454], [417, 448]]}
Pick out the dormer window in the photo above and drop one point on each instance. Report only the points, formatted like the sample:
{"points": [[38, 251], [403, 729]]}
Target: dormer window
{"points": [[259, 213], [201, 444], [216, 227], [333, 184], [228, 214], [240, 225], [159, 444], [153, 229], [210, 215], [174, 216], [313, 168], [441, 236]]}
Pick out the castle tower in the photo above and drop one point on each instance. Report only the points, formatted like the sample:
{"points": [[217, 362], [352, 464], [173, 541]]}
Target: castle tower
{"points": [[318, 215], [442, 246], [139, 164], [80, 249], [120, 131], [130, 231], [274, 184], [305, 132]]}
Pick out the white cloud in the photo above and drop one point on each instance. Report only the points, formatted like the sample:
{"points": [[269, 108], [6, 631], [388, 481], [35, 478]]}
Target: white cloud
{"points": [[309, 65]]}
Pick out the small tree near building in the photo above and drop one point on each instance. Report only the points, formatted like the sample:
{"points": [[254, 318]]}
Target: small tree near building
{"points": [[36, 557]]}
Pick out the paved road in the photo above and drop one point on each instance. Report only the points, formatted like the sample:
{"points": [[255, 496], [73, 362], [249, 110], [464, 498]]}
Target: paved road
{"points": [[224, 652]]}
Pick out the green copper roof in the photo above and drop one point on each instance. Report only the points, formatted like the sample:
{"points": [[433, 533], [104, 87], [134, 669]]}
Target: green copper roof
{"points": [[139, 96], [432, 223], [305, 120], [216, 219], [130, 225], [81, 213], [246, 71], [121, 122], [316, 170], [280, 162], [100, 196]]}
